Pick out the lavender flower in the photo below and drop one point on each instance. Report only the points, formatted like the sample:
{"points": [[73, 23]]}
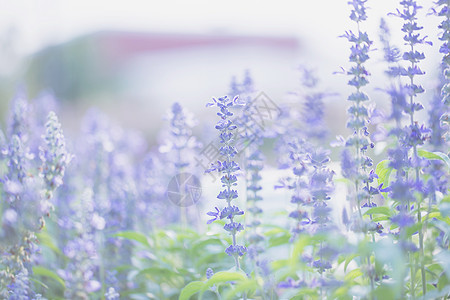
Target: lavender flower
{"points": [[391, 53], [109, 154], [180, 144], [19, 289], [179, 149], [299, 184], [228, 167], [245, 89], [251, 136], [313, 106], [443, 11], [209, 273], [320, 187], [359, 115], [27, 197], [54, 157], [308, 108], [151, 194], [18, 118], [356, 166], [112, 294], [411, 136], [81, 273]]}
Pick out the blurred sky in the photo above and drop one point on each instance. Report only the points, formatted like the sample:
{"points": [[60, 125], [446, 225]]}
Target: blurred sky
{"points": [[27, 26], [42, 22], [39, 23]]}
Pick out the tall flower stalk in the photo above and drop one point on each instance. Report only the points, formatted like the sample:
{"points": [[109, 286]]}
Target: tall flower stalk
{"points": [[444, 11], [356, 164], [358, 113], [27, 192], [179, 148], [228, 168], [414, 135]]}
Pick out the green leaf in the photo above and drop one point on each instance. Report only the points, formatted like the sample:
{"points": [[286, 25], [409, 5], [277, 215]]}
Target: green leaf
{"points": [[348, 260], [383, 171], [223, 277], [341, 292], [278, 236], [413, 229], [387, 291], [248, 286], [160, 273], [191, 289], [443, 258], [382, 210], [47, 240], [444, 208], [311, 292], [280, 263], [432, 215], [434, 156], [123, 268], [297, 252], [442, 282], [134, 236], [39, 283], [42, 271], [379, 219], [353, 274]]}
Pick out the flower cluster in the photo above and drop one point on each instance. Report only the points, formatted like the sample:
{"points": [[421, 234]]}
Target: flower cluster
{"points": [[228, 167], [443, 11], [180, 143], [313, 110], [54, 157], [357, 166], [28, 191]]}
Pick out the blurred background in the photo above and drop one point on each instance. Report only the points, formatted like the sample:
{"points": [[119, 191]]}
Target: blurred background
{"points": [[132, 59]]}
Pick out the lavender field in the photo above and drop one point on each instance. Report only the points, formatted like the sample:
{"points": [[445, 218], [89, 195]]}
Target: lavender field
{"points": [[256, 196]]}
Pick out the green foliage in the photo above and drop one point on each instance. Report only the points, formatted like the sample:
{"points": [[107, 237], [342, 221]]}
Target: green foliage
{"points": [[434, 156], [166, 261], [44, 272], [384, 173]]}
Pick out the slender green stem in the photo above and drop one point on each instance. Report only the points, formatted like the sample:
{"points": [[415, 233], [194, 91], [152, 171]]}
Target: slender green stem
{"points": [[417, 173], [372, 283], [412, 287]]}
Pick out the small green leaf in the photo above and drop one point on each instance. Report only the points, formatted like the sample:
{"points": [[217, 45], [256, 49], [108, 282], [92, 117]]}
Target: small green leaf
{"points": [[39, 283], [379, 219], [160, 272], [383, 171], [353, 274], [432, 215], [341, 292], [443, 258], [280, 263], [382, 210], [248, 286], [413, 229], [434, 156], [348, 260], [47, 240], [444, 208], [42, 271], [297, 252], [223, 277], [278, 237], [134, 236], [191, 289], [442, 282]]}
